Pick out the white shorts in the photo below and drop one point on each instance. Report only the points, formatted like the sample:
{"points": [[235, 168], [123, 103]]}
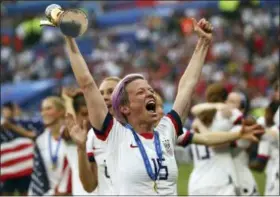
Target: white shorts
{"points": [[223, 190]]}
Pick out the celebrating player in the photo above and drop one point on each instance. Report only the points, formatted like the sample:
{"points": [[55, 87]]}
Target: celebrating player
{"points": [[268, 149], [51, 175], [95, 147], [240, 155], [141, 116], [209, 161], [133, 145]]}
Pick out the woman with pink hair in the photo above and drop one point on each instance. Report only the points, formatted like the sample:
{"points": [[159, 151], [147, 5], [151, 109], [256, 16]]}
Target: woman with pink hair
{"points": [[140, 158]]}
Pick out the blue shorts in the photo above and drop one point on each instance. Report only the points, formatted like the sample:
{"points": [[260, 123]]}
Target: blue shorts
{"points": [[18, 184]]}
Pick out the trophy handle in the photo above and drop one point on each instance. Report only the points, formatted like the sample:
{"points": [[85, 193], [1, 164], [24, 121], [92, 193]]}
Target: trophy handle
{"points": [[52, 13], [46, 23], [55, 14]]}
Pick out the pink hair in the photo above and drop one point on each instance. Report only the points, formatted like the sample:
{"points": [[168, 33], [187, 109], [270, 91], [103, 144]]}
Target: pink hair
{"points": [[119, 92]]}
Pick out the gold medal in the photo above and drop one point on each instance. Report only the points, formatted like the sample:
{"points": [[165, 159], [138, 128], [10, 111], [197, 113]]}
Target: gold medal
{"points": [[54, 166], [155, 187]]}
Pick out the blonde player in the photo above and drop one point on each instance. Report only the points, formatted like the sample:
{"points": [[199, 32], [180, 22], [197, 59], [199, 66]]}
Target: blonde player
{"points": [[51, 173], [240, 155], [51, 170], [95, 147], [140, 157]]}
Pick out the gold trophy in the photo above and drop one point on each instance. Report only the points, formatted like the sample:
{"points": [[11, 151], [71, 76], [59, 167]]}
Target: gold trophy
{"points": [[72, 22]]}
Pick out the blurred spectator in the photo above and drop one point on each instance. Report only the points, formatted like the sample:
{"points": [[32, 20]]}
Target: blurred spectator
{"points": [[29, 31], [244, 54]]}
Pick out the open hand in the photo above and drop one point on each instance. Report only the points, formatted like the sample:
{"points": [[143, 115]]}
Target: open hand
{"points": [[77, 133]]}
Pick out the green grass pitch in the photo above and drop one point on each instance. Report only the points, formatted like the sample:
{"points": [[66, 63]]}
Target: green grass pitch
{"points": [[185, 171]]}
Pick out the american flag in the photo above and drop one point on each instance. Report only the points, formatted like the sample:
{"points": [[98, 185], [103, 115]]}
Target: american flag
{"points": [[39, 179], [40, 185], [17, 152]]}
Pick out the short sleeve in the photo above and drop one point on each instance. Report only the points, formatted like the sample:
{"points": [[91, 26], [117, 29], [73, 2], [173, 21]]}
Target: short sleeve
{"points": [[185, 139], [263, 150], [236, 116], [106, 128], [170, 126], [112, 132], [89, 145], [176, 122]]}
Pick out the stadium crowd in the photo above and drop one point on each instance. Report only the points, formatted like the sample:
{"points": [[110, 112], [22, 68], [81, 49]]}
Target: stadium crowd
{"points": [[243, 57]]}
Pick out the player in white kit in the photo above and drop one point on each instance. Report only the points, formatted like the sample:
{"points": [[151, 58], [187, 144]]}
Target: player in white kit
{"points": [[268, 150], [76, 105], [140, 157], [128, 173], [95, 147], [210, 176], [245, 178], [51, 172]]}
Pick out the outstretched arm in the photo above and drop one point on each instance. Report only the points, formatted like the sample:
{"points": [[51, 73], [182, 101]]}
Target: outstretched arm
{"points": [[18, 129], [192, 73], [197, 109], [208, 138], [95, 103]]}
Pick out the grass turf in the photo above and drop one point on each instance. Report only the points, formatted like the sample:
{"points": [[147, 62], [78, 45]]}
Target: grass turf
{"points": [[185, 171]]}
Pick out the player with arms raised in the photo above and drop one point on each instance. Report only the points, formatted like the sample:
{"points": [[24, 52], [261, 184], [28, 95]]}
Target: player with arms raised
{"points": [[133, 144]]}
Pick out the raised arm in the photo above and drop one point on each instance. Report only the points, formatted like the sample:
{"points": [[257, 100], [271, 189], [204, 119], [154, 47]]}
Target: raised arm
{"points": [[192, 73], [197, 109], [68, 100], [95, 103]]}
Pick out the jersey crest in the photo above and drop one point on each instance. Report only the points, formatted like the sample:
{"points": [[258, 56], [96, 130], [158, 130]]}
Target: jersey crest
{"points": [[167, 146]]}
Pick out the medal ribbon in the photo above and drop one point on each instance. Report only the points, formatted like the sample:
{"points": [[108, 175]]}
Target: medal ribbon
{"points": [[54, 157], [145, 158]]}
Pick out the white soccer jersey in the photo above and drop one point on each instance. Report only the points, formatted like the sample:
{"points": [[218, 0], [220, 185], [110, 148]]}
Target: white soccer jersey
{"points": [[125, 164], [183, 153], [269, 149], [245, 178], [261, 121], [56, 176], [96, 150], [72, 155], [214, 168], [277, 117]]}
